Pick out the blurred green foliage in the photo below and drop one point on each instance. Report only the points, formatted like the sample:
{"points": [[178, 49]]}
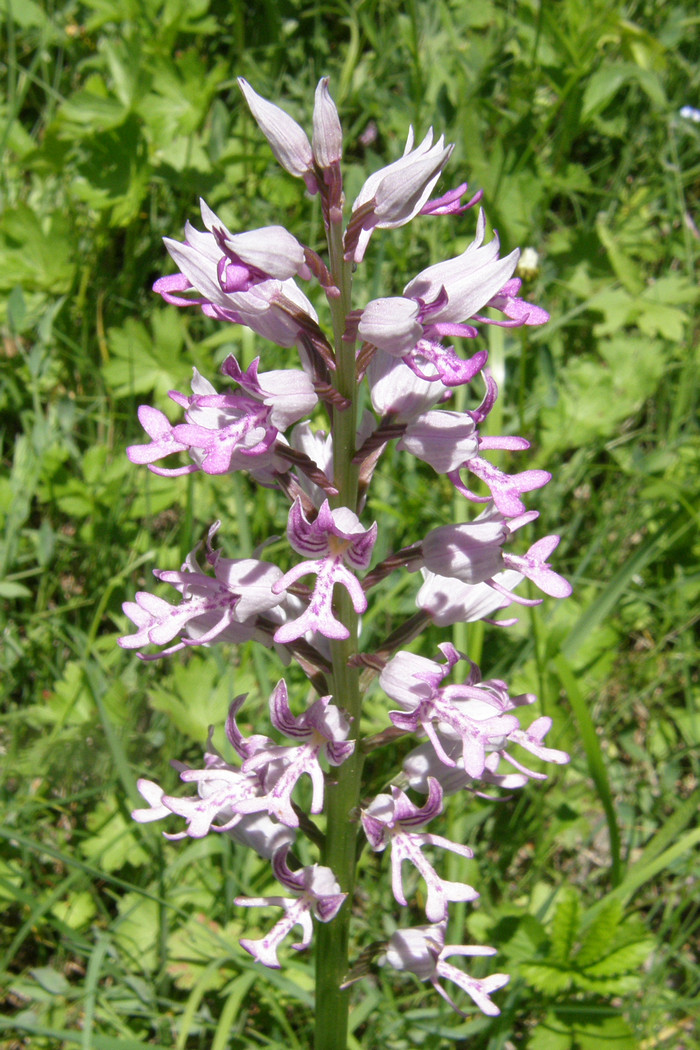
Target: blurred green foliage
{"points": [[116, 116]]}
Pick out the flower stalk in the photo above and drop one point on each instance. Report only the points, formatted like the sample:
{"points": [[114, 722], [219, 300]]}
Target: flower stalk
{"points": [[464, 729], [340, 850]]}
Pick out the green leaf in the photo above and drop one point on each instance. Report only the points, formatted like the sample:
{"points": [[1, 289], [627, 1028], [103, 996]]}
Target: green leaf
{"points": [[549, 979], [196, 696], [143, 362], [77, 912], [123, 59], [112, 171], [70, 703], [595, 397], [605, 83], [10, 590], [520, 938], [50, 980], [16, 309], [89, 110], [574, 1027], [193, 947], [625, 269], [656, 309], [565, 925], [155, 494], [602, 87], [550, 1034], [622, 960], [136, 931], [610, 1033], [599, 934], [114, 840], [35, 256], [179, 101]]}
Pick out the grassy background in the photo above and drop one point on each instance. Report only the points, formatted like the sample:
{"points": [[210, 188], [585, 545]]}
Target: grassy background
{"points": [[117, 115]]}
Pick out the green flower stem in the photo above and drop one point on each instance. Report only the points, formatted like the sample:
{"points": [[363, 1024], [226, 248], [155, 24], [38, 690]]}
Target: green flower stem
{"points": [[345, 420], [343, 794], [342, 799]]}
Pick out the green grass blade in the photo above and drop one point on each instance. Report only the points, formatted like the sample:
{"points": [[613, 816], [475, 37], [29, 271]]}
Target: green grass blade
{"points": [[594, 757], [668, 534], [70, 1037], [92, 979], [231, 1009]]}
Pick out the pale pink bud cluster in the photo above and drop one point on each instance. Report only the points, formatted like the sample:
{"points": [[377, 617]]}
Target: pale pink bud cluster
{"points": [[465, 734]]}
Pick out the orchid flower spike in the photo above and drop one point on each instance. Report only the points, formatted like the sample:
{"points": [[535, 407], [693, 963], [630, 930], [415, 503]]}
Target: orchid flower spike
{"points": [[314, 436]]}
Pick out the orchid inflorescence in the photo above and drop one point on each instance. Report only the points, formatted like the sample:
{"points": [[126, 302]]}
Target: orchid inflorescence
{"points": [[466, 733]]}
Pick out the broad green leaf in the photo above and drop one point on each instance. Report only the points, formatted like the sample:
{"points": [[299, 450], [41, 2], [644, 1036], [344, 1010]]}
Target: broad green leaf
{"points": [[623, 960], [123, 59], [605, 83], [524, 943], [574, 1027], [28, 14], [77, 911], [180, 99], [649, 310], [50, 980], [195, 696], [565, 925], [112, 174], [10, 590], [192, 948], [91, 109], [598, 936], [16, 309], [114, 840], [549, 979], [155, 494], [611, 1033], [625, 268], [550, 1034], [35, 256], [595, 397], [70, 703], [143, 362], [136, 931]]}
